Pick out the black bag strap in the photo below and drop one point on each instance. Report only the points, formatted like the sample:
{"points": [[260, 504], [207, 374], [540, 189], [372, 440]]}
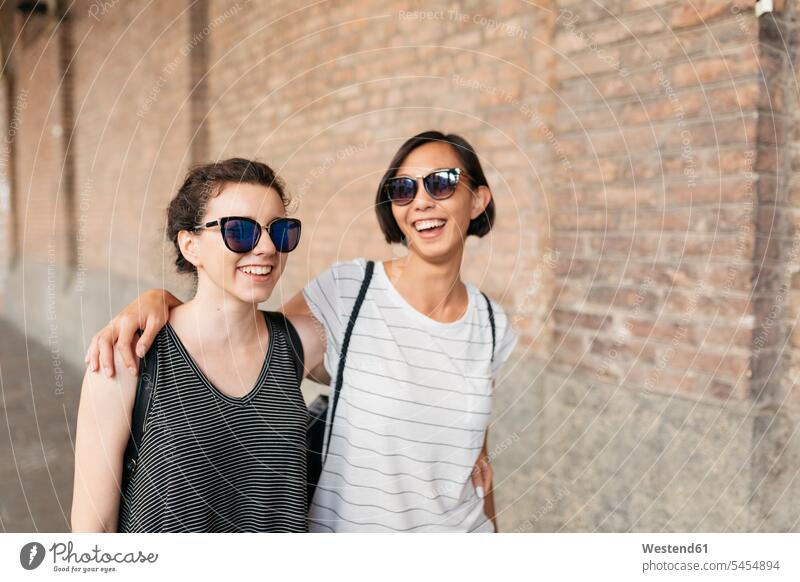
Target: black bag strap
{"points": [[346, 343], [148, 373], [279, 320], [491, 321]]}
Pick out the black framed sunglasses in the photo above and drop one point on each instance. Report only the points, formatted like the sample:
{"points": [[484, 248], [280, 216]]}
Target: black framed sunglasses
{"points": [[440, 184], [241, 235]]}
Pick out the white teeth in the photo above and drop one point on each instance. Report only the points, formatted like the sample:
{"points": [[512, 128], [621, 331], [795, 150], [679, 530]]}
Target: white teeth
{"points": [[253, 270], [426, 224]]}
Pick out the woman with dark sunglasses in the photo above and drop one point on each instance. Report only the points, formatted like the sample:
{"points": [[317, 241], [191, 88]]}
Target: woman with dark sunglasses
{"points": [[223, 446], [407, 446]]}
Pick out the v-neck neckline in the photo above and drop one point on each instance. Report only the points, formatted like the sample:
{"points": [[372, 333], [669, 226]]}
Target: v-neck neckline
{"points": [[187, 357]]}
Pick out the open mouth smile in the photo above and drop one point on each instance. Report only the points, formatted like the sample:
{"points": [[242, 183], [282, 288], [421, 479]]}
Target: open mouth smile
{"points": [[256, 272], [429, 227]]}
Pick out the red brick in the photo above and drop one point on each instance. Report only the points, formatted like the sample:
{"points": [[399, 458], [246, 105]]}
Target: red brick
{"points": [[701, 12]]}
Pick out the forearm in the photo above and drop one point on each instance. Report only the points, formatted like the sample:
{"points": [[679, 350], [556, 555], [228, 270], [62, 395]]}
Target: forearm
{"points": [[84, 519], [320, 375], [96, 497], [170, 300], [488, 507], [154, 298], [488, 501]]}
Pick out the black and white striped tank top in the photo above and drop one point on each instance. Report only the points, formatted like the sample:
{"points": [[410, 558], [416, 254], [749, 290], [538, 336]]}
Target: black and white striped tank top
{"points": [[210, 462]]}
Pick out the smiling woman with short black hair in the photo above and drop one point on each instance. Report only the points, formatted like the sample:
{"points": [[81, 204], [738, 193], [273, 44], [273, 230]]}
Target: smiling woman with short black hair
{"points": [[416, 398]]}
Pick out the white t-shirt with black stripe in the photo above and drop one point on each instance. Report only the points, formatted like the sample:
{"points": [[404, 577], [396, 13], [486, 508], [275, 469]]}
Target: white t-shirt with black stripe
{"points": [[413, 410]]}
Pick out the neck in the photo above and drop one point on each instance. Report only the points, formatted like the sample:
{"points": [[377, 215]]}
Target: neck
{"points": [[434, 288], [214, 316]]}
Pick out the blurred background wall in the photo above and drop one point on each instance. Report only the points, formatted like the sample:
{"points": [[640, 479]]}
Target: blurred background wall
{"points": [[643, 155]]}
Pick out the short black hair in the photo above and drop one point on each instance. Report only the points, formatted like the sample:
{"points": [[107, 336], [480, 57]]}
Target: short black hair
{"points": [[472, 168]]}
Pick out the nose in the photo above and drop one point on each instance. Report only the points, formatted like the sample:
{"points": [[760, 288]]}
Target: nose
{"points": [[423, 200], [265, 246]]}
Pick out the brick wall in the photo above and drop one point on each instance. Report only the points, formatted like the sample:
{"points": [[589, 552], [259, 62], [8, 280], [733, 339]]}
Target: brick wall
{"points": [[670, 341], [133, 133], [39, 144], [660, 113], [91, 199]]}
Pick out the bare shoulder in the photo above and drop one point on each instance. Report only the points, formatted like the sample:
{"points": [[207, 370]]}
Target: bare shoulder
{"points": [[109, 393], [296, 306]]}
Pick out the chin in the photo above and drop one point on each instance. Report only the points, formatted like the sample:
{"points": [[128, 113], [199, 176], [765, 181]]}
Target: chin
{"points": [[254, 296], [434, 250]]}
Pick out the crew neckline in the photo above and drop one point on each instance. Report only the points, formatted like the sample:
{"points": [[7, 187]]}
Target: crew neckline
{"points": [[395, 295]]}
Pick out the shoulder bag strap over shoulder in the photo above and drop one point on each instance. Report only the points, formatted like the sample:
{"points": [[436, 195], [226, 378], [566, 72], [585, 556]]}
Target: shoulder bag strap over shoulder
{"points": [[148, 372], [491, 321], [346, 343], [292, 337]]}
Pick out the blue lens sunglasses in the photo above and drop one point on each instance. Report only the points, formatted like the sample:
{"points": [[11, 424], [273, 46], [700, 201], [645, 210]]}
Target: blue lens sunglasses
{"points": [[241, 234]]}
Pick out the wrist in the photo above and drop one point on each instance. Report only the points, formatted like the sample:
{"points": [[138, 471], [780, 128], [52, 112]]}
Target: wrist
{"points": [[170, 300], [164, 297]]}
